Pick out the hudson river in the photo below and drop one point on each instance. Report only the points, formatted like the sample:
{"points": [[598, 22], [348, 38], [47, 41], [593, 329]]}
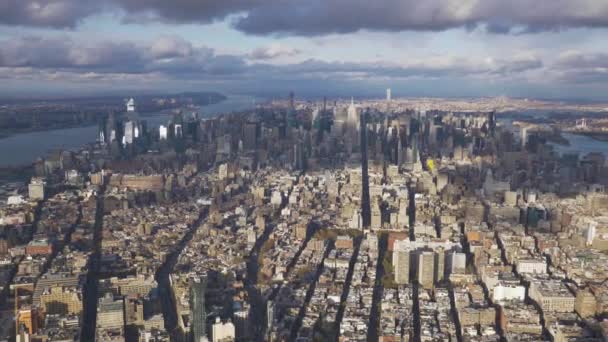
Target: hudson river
{"points": [[25, 148]]}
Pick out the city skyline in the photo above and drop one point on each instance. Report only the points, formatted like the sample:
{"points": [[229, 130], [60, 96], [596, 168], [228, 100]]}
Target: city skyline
{"points": [[327, 220], [545, 49], [322, 170]]}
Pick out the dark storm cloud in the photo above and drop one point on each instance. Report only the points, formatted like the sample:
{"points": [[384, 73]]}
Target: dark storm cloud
{"points": [[320, 17], [271, 52], [517, 65], [175, 58], [584, 76], [577, 59], [68, 13], [168, 55], [582, 67], [35, 52], [47, 13], [64, 53], [184, 11], [442, 67]]}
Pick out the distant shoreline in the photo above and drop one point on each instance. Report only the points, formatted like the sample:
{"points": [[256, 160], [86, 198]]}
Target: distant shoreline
{"points": [[148, 107], [5, 135], [598, 136], [16, 173], [18, 164]]}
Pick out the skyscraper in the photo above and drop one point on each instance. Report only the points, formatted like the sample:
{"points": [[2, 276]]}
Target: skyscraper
{"points": [[459, 263], [197, 308], [162, 131], [388, 94], [110, 313], [492, 122], [131, 105], [36, 189], [110, 128], [291, 112], [352, 115], [401, 261], [129, 130], [365, 198], [439, 264], [269, 315], [250, 130], [426, 269]]}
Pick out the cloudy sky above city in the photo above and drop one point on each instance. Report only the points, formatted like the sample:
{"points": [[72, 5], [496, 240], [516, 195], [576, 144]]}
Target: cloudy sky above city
{"points": [[521, 48]]}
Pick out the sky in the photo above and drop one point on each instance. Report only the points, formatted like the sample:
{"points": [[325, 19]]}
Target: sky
{"points": [[548, 49]]}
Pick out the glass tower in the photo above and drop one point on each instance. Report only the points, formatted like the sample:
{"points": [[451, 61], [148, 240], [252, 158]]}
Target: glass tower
{"points": [[197, 307]]}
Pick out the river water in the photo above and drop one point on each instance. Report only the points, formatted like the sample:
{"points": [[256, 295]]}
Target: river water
{"points": [[580, 144], [25, 148]]}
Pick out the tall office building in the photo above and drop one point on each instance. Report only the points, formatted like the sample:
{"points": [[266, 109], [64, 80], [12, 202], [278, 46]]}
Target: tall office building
{"points": [[365, 198], [590, 233], [376, 215], [162, 131], [492, 122], [298, 156], [129, 130], [131, 105], [178, 131], [388, 94], [458, 263], [197, 307], [222, 331], [134, 310], [110, 313], [315, 118], [585, 304], [417, 165], [524, 137], [291, 113], [401, 261], [101, 135], [36, 189], [352, 117], [110, 128], [439, 264], [242, 325], [250, 135], [269, 315], [426, 269]]}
